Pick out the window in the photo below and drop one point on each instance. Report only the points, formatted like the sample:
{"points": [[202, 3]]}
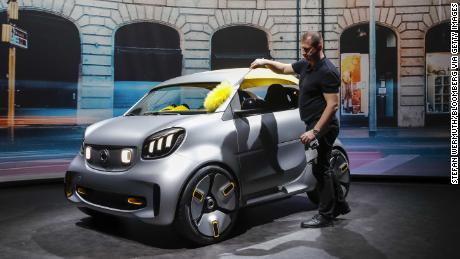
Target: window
{"points": [[271, 98], [178, 99], [438, 69], [146, 54], [438, 96], [238, 46]]}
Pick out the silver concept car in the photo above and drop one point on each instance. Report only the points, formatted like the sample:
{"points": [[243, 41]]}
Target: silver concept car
{"points": [[167, 160]]}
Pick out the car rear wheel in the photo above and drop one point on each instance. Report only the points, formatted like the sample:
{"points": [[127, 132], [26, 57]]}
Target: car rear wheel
{"points": [[342, 173], [208, 206]]}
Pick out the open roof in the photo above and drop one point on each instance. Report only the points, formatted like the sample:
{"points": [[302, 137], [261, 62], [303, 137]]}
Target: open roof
{"points": [[233, 75]]}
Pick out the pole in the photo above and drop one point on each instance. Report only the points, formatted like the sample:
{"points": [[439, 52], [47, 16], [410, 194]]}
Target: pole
{"points": [[372, 71], [11, 85], [12, 15], [13, 36], [322, 25], [298, 30]]}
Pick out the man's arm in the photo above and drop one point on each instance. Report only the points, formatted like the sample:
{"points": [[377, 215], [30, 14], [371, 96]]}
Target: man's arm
{"points": [[275, 66], [332, 105], [330, 90]]}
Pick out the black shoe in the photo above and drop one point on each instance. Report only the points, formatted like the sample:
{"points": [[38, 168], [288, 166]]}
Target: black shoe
{"points": [[318, 221], [341, 208]]}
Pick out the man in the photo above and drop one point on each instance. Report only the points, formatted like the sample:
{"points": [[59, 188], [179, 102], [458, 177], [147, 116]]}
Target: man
{"points": [[318, 102]]}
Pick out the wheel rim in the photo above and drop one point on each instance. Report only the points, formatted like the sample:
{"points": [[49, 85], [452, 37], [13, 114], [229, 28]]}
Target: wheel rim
{"points": [[342, 172], [213, 201]]}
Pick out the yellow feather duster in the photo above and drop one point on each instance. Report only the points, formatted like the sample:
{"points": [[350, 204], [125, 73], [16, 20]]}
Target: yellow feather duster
{"points": [[167, 108], [172, 108], [180, 108], [218, 96]]}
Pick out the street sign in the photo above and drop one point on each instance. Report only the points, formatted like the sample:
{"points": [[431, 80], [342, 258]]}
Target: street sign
{"points": [[19, 37], [15, 36]]}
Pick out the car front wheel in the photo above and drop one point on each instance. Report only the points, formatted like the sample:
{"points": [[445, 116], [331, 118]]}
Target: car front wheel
{"points": [[208, 206]]}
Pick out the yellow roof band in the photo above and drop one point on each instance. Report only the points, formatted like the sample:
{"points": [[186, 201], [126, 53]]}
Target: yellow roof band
{"points": [[264, 76]]}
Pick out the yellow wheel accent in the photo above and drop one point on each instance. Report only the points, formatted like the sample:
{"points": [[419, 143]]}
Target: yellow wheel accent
{"points": [[68, 189], [343, 167], [68, 193], [198, 195], [81, 190], [228, 189], [215, 228]]}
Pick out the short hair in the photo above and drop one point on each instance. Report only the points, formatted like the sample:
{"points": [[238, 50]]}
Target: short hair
{"points": [[316, 38]]}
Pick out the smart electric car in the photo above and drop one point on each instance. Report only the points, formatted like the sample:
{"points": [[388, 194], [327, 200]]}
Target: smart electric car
{"points": [[168, 160]]}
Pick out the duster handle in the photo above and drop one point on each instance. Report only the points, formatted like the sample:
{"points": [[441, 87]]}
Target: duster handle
{"points": [[242, 78]]}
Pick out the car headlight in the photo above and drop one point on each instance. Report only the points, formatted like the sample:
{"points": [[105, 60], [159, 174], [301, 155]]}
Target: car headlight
{"points": [[162, 143], [126, 156], [88, 152]]}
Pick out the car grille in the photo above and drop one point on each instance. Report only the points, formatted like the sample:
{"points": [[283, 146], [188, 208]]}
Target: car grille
{"points": [[111, 200], [107, 158]]}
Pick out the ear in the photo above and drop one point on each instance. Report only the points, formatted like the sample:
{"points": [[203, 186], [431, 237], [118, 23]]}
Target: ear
{"points": [[320, 47]]}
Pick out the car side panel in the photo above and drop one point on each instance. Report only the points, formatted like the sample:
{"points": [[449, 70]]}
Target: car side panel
{"points": [[291, 151], [270, 152], [211, 140], [257, 141]]}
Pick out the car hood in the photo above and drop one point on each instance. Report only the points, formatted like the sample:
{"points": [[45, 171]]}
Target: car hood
{"points": [[130, 130]]}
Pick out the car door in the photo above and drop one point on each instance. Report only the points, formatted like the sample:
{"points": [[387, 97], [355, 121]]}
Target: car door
{"points": [[291, 151], [269, 149]]}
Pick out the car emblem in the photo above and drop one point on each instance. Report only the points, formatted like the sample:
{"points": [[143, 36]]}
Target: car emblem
{"points": [[104, 156]]}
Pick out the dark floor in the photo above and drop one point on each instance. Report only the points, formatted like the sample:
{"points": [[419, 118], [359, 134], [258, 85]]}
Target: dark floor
{"points": [[388, 220]]}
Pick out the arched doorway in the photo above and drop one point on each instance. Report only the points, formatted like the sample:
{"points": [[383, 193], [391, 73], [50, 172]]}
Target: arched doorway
{"points": [[437, 58], [354, 50], [238, 46], [47, 72], [145, 54]]}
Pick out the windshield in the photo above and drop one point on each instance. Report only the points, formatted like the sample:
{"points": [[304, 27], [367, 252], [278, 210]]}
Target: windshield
{"points": [[180, 99]]}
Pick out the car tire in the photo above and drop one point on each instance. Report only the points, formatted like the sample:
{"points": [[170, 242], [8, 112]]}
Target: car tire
{"points": [[196, 217], [342, 175]]}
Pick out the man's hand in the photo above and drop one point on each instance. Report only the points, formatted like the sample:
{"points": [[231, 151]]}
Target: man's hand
{"points": [[275, 66], [307, 137], [260, 62]]}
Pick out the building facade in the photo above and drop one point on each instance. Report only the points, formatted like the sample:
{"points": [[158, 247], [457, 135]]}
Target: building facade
{"points": [[200, 38]]}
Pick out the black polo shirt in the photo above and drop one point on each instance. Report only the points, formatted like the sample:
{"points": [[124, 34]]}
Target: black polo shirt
{"points": [[323, 77]]}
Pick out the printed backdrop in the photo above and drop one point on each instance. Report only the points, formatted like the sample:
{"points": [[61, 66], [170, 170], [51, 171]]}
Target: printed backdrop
{"points": [[355, 84]]}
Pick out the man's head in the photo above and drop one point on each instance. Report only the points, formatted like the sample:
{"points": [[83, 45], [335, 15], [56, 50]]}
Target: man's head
{"points": [[312, 46]]}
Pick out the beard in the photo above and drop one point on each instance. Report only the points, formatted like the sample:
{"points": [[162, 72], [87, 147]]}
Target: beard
{"points": [[313, 58]]}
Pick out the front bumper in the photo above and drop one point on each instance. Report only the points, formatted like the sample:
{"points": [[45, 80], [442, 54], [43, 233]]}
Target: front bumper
{"points": [[158, 183]]}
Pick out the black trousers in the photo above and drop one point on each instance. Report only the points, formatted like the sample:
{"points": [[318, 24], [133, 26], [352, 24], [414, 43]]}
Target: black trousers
{"points": [[328, 200]]}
